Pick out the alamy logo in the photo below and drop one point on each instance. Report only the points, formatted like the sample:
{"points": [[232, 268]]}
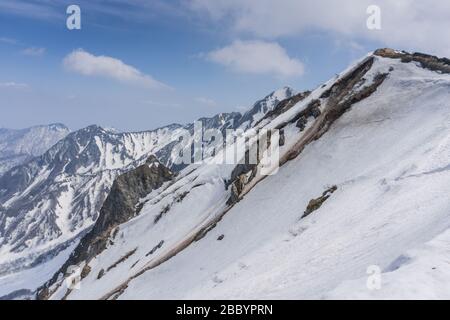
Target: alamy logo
{"points": [[374, 20], [213, 146], [73, 278], [374, 278], [73, 21]]}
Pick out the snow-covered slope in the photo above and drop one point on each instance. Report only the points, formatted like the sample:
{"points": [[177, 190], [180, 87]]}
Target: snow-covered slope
{"points": [[19, 146], [49, 202], [364, 182]]}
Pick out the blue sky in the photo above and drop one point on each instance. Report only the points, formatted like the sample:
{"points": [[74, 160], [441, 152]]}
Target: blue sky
{"points": [[181, 60]]}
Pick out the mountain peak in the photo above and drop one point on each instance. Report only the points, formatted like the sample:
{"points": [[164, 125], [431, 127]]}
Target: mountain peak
{"points": [[282, 93], [265, 105], [57, 126]]}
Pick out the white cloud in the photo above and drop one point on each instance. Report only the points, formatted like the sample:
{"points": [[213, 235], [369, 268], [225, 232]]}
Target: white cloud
{"points": [[85, 63], [206, 101], [258, 57], [8, 40], [13, 85], [33, 8], [34, 51], [406, 24]]}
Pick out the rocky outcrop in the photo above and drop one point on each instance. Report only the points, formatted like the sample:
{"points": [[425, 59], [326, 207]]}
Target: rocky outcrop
{"points": [[121, 205], [324, 111], [335, 102], [315, 204], [312, 110], [426, 61], [240, 176]]}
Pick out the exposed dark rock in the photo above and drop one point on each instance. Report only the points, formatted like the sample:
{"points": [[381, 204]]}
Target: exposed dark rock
{"points": [[282, 138], [340, 97], [101, 273], [311, 110], [119, 207], [343, 106], [122, 259], [301, 123], [315, 204], [202, 233], [426, 61], [85, 271], [181, 196], [240, 176], [220, 238], [164, 210], [315, 112], [158, 246], [352, 78]]}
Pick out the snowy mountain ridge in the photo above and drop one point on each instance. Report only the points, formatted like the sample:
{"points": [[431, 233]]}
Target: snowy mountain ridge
{"points": [[363, 180], [49, 202]]}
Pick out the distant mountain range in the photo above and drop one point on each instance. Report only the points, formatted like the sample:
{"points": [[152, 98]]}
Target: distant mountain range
{"points": [[49, 201], [19, 146]]}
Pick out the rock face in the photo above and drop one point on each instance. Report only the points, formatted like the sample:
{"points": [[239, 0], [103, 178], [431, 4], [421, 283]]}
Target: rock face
{"points": [[334, 102], [51, 199], [427, 61], [320, 113], [121, 205], [20, 146], [127, 190], [315, 204]]}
